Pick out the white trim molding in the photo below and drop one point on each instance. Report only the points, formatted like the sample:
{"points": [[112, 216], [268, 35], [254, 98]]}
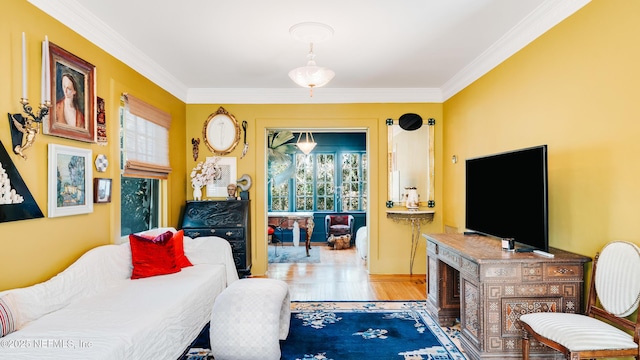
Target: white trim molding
{"points": [[72, 14]]}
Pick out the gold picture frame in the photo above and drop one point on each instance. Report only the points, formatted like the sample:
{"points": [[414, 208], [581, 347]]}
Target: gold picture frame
{"points": [[221, 132], [73, 97]]}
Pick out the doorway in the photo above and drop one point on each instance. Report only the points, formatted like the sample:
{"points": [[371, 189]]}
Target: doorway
{"points": [[331, 179]]}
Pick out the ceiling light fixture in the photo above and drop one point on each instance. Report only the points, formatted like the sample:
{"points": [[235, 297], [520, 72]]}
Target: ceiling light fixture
{"points": [[311, 75], [306, 146]]}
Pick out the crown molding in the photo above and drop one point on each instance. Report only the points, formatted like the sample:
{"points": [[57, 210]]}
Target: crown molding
{"points": [[546, 16], [72, 14], [322, 95]]}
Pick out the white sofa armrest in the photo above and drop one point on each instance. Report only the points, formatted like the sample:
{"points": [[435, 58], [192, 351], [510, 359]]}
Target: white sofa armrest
{"points": [[211, 250]]}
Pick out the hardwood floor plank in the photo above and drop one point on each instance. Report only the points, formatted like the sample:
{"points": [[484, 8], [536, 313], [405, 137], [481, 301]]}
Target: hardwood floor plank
{"points": [[341, 275]]}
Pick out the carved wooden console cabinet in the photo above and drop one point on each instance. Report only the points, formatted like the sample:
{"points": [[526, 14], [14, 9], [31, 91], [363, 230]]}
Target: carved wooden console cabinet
{"points": [[473, 279], [228, 219]]}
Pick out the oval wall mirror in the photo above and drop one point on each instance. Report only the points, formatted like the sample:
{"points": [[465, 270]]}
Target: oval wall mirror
{"points": [[221, 132]]}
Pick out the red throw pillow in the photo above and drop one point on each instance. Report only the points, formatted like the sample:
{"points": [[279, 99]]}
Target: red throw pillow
{"points": [[151, 257], [178, 243], [178, 246]]}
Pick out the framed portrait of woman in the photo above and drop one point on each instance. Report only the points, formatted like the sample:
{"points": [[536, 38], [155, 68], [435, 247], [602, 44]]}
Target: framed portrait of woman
{"points": [[73, 97]]}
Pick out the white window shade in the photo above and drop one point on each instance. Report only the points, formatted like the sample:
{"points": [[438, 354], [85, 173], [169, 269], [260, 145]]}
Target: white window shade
{"points": [[145, 140]]}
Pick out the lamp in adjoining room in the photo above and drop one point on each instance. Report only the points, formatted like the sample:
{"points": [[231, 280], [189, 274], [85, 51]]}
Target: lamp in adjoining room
{"points": [[311, 75], [306, 146]]}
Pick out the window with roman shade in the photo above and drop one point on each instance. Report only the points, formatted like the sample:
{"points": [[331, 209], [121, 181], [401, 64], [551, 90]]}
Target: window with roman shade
{"points": [[145, 139]]}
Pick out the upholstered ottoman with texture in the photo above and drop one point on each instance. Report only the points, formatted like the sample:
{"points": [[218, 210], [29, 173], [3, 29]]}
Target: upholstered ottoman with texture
{"points": [[249, 319]]}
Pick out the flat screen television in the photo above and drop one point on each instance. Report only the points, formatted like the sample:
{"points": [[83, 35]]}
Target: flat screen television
{"points": [[507, 197]]}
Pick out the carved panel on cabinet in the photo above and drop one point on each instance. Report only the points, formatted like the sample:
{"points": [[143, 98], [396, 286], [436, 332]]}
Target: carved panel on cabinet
{"points": [[431, 247], [513, 308], [471, 317], [501, 273], [557, 272], [532, 272], [450, 257], [433, 277], [211, 214], [469, 267]]}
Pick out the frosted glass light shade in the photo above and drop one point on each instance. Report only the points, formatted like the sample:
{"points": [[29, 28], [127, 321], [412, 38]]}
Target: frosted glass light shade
{"points": [[311, 75], [306, 146]]}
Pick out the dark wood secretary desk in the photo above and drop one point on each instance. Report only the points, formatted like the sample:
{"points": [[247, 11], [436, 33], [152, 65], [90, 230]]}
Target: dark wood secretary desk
{"points": [[228, 219], [473, 279]]}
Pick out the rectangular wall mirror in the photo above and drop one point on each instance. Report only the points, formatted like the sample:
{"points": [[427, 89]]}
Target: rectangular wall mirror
{"points": [[410, 160]]}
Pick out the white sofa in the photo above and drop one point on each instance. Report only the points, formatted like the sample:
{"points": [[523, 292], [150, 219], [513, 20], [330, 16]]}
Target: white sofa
{"points": [[362, 242], [93, 310]]}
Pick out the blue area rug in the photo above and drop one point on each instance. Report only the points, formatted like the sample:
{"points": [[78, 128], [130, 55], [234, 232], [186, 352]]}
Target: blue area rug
{"points": [[293, 254], [362, 330]]}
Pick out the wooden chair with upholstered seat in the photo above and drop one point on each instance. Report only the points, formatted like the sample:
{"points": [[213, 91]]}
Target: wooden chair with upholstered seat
{"points": [[604, 330]]}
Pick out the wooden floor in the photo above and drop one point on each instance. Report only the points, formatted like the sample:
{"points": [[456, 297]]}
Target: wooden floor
{"points": [[342, 275]]}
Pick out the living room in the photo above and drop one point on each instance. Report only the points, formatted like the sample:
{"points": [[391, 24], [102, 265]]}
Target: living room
{"points": [[573, 88]]}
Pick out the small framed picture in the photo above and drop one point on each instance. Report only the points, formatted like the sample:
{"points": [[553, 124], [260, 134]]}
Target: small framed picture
{"points": [[218, 187], [101, 190], [70, 174]]}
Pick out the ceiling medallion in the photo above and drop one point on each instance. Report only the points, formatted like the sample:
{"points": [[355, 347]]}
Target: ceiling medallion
{"points": [[311, 75]]}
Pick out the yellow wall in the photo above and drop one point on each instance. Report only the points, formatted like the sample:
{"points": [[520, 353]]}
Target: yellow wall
{"points": [[389, 242], [575, 89], [34, 250]]}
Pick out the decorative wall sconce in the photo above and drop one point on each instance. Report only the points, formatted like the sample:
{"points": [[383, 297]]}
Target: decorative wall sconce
{"points": [[25, 128], [195, 148]]}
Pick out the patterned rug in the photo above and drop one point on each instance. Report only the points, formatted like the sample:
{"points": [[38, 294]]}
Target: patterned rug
{"points": [[293, 254], [356, 330]]}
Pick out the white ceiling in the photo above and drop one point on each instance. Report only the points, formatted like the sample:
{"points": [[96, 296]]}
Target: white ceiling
{"points": [[214, 51]]}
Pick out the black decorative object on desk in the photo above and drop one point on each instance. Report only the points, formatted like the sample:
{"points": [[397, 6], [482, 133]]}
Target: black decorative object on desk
{"points": [[229, 220]]}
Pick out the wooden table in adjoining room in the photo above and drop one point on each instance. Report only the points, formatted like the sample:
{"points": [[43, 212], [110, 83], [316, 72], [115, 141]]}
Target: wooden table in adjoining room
{"points": [[285, 220]]}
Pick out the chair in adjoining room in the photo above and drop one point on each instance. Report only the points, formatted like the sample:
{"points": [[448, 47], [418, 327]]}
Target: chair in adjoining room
{"points": [[273, 238], [338, 225], [604, 330]]}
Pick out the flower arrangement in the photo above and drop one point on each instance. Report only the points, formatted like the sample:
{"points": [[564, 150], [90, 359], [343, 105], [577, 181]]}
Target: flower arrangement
{"points": [[204, 173]]}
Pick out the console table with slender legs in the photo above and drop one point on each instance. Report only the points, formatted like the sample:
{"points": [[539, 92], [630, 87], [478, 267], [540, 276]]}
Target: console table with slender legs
{"points": [[472, 279], [414, 218]]}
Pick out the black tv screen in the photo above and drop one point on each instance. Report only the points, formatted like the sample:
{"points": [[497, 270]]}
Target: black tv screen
{"points": [[506, 196]]}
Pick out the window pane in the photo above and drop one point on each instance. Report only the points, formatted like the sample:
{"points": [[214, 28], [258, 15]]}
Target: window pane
{"points": [[325, 181], [365, 177], [140, 204], [350, 194], [280, 173], [280, 197], [304, 182]]}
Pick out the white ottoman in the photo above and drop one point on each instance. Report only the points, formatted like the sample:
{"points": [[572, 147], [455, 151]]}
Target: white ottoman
{"points": [[249, 318]]}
